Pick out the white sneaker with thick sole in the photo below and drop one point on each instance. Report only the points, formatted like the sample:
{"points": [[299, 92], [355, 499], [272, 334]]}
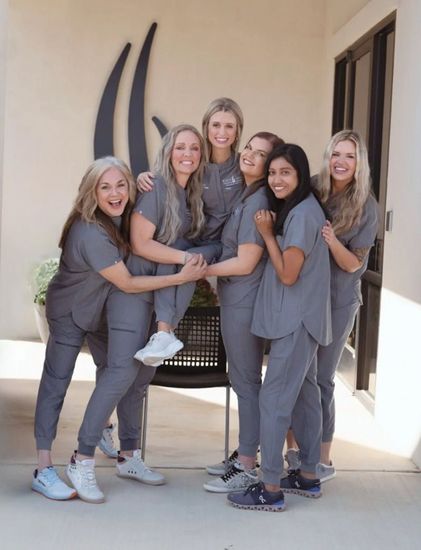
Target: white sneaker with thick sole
{"points": [[161, 346], [325, 471], [235, 480], [134, 468], [81, 473], [219, 469], [50, 485], [106, 443]]}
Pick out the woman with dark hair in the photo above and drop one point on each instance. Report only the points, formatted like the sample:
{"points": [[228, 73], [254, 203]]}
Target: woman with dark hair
{"points": [[223, 184], [344, 188], [94, 290], [239, 271], [296, 319]]}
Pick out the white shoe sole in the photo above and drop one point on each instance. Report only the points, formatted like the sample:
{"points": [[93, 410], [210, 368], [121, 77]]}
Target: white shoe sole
{"points": [[156, 359], [44, 494], [213, 489], [145, 481]]}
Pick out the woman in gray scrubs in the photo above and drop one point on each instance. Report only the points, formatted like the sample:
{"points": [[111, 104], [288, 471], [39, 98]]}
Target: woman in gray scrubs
{"points": [[93, 285], [239, 272], [296, 320], [222, 186], [344, 188]]}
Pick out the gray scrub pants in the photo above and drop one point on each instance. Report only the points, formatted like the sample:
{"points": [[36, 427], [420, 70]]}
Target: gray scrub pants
{"points": [[245, 358], [122, 382], [290, 397], [171, 303], [328, 358]]}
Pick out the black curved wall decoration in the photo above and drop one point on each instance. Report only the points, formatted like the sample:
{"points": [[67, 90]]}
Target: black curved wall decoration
{"points": [[160, 126], [137, 139], [104, 127]]}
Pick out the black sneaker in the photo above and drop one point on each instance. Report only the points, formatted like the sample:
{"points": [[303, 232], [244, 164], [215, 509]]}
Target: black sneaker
{"points": [[256, 497], [299, 485]]}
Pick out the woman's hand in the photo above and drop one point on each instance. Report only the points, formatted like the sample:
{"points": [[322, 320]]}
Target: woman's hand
{"points": [[145, 181], [194, 269], [264, 220], [328, 234]]}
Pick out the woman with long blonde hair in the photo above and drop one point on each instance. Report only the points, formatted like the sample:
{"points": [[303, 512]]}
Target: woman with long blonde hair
{"points": [[344, 189], [223, 184], [91, 291]]}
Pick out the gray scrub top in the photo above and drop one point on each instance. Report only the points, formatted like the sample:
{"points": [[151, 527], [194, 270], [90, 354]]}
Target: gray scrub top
{"points": [[152, 206], [279, 309], [346, 287], [77, 287], [241, 229], [223, 185]]}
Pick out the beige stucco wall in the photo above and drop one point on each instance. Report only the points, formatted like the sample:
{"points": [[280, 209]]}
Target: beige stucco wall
{"points": [[268, 57], [397, 407]]}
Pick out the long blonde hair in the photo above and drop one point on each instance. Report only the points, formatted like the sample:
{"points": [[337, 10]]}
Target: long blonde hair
{"points": [[86, 207], [226, 105], [172, 222], [346, 207]]}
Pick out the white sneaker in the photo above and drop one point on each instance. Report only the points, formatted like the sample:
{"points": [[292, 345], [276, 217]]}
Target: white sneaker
{"points": [[325, 471], [106, 443], [134, 468], [50, 485], [81, 473], [162, 345], [219, 469], [235, 480]]}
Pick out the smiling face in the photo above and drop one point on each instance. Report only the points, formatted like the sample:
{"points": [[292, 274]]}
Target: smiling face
{"points": [[282, 178], [112, 192], [253, 158], [343, 163], [185, 155], [222, 130]]}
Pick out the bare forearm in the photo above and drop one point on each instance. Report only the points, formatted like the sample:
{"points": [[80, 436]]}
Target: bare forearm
{"points": [[343, 257], [228, 268], [275, 255], [157, 252], [145, 283]]}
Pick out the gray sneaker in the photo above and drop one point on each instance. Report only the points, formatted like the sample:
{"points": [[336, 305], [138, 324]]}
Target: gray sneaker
{"points": [[235, 480], [219, 469], [292, 456], [106, 443], [325, 471]]}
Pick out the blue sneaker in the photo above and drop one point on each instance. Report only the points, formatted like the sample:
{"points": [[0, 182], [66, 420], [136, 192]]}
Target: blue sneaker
{"points": [[256, 497], [299, 485]]}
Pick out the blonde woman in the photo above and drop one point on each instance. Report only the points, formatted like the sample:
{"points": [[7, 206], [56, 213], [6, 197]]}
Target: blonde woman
{"points": [[93, 289], [344, 189], [164, 224], [222, 187]]}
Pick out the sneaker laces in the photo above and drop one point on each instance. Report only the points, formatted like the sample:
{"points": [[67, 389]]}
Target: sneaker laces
{"points": [[232, 472], [88, 475], [253, 488]]}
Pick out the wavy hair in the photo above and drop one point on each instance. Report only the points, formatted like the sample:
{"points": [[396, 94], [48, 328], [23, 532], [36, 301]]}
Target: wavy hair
{"points": [[275, 141], [345, 208], [295, 156], [86, 208], [172, 222], [226, 105]]}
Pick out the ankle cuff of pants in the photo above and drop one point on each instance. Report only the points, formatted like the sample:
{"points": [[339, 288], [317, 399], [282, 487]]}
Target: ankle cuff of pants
{"points": [[87, 450], [129, 444], [44, 443], [247, 450]]}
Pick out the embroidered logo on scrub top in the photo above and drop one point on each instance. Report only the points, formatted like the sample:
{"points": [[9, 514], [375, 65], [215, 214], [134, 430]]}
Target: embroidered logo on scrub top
{"points": [[232, 181]]}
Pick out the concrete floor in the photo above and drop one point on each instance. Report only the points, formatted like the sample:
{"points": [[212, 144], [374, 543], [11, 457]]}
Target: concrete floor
{"points": [[374, 502]]}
